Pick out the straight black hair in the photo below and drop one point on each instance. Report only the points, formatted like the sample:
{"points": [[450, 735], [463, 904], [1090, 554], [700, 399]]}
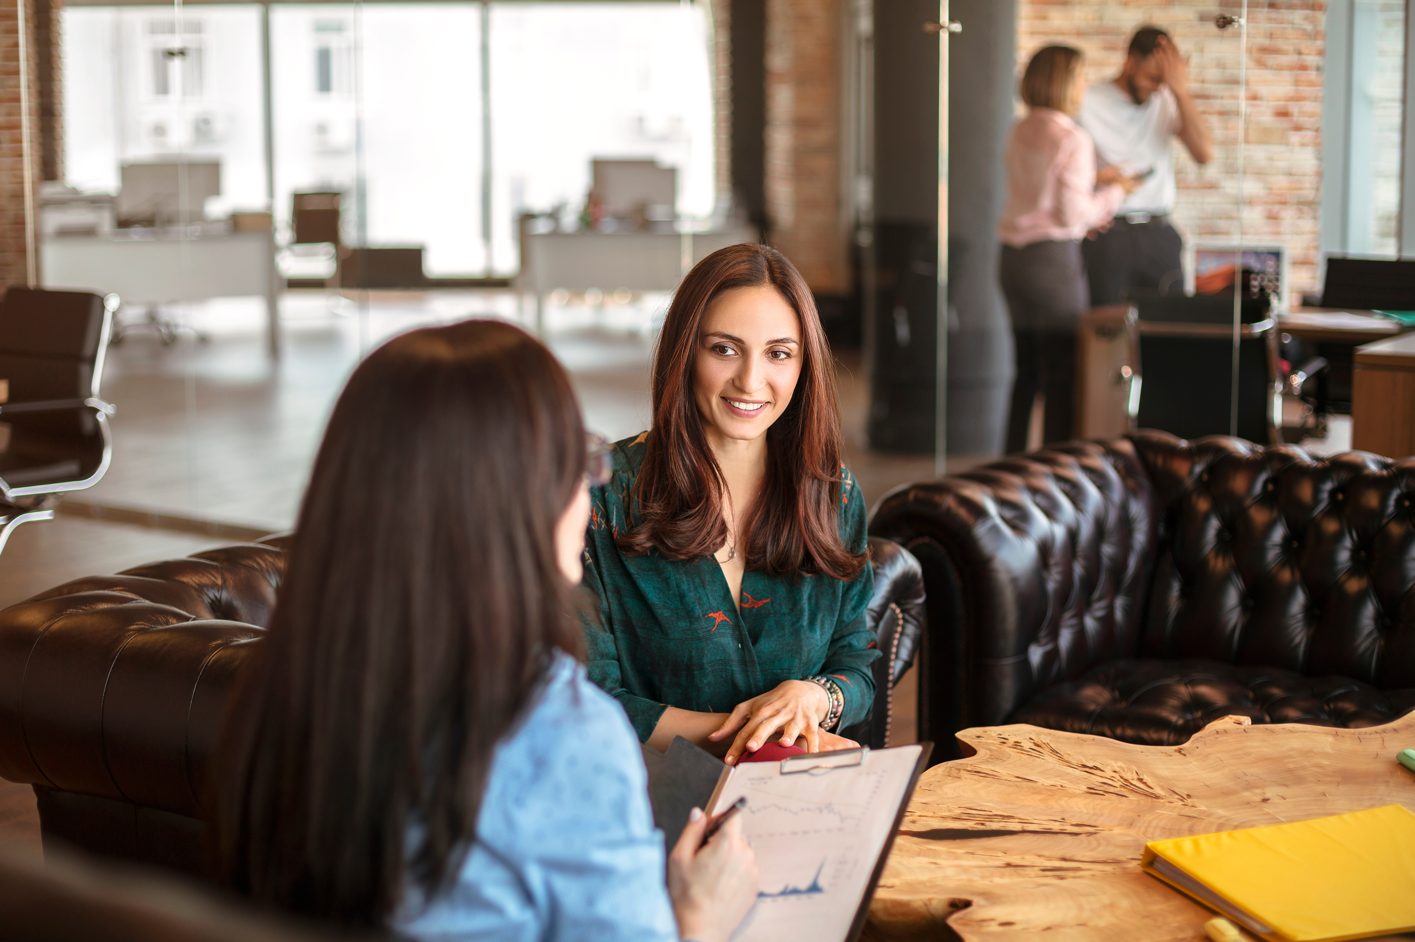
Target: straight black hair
{"points": [[420, 610]]}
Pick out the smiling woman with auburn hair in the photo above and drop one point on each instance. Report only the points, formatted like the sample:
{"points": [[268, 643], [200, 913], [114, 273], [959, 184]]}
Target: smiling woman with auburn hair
{"points": [[728, 551]]}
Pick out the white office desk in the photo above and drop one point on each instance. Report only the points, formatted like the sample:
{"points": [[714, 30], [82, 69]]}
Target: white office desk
{"points": [[164, 267], [632, 260]]}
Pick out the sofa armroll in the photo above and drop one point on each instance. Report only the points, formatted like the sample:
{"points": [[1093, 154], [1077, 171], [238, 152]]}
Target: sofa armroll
{"points": [[896, 615], [1035, 567]]}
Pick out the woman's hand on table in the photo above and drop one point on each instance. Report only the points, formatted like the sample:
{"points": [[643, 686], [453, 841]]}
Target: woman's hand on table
{"points": [[793, 709]]}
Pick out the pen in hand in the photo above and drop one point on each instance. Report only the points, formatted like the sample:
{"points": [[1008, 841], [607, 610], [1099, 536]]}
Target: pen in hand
{"points": [[716, 823]]}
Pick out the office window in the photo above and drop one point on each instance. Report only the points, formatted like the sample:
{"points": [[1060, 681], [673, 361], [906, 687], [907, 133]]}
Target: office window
{"points": [[1362, 114], [574, 81], [333, 58], [119, 105], [564, 82], [175, 58]]}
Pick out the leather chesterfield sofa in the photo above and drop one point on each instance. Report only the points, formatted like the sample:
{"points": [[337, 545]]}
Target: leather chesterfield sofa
{"points": [[1142, 587], [113, 690]]}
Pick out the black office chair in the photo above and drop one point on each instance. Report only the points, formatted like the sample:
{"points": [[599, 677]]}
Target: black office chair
{"points": [[1185, 367], [1366, 284], [1354, 284], [54, 435]]}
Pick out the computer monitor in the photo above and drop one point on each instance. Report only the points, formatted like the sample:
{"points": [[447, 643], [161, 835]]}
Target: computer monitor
{"points": [[167, 191], [629, 187], [1369, 283], [1264, 266]]}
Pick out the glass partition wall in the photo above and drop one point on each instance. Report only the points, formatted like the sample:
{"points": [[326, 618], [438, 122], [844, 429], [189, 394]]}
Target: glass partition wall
{"points": [[1301, 110], [273, 189]]}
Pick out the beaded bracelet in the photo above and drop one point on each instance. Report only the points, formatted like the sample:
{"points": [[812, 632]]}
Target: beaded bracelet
{"points": [[837, 701]]}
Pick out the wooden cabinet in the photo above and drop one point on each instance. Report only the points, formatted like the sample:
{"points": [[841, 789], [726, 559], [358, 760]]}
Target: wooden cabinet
{"points": [[1383, 397], [1105, 361]]}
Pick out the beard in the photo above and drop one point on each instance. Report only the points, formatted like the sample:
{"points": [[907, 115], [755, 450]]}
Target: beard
{"points": [[1134, 92]]}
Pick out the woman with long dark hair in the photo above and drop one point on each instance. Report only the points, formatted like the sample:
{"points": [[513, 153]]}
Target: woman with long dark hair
{"points": [[728, 550], [417, 747]]}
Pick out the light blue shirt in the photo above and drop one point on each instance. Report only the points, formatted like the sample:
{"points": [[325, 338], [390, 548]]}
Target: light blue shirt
{"points": [[566, 847]]}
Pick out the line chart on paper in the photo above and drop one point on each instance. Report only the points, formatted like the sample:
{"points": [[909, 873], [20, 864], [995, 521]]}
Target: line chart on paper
{"points": [[817, 836]]}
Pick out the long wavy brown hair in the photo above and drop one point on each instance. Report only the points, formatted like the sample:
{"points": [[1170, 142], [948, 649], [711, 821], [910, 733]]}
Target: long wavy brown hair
{"points": [[676, 502], [420, 611]]}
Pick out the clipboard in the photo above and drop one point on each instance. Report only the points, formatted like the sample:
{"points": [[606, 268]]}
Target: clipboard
{"points": [[793, 896]]}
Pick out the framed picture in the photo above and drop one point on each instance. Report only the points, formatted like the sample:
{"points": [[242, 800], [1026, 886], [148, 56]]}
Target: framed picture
{"points": [[1216, 266]]}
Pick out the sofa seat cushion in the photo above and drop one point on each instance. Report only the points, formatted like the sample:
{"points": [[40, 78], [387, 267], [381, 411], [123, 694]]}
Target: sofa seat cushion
{"points": [[1163, 703]]}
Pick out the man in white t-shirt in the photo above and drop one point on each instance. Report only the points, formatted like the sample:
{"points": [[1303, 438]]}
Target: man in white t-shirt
{"points": [[1133, 120]]}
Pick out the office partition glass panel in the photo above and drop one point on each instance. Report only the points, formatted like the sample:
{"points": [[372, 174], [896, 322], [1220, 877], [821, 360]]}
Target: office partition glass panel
{"points": [[1325, 103], [214, 138], [143, 83], [164, 203], [572, 82], [402, 80], [1167, 128]]}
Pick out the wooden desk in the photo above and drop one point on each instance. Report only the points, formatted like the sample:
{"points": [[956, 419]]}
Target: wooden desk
{"points": [[1383, 397], [1333, 334], [1039, 834], [147, 267], [631, 259], [1337, 326]]}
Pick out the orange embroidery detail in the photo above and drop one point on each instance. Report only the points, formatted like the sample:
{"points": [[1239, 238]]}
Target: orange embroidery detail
{"points": [[717, 619], [842, 677], [749, 602]]}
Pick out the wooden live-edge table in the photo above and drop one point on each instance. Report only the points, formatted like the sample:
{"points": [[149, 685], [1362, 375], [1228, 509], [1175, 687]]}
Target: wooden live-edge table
{"points": [[1041, 832]]}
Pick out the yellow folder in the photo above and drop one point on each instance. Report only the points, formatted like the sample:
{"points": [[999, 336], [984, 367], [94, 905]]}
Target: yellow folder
{"points": [[1348, 876]]}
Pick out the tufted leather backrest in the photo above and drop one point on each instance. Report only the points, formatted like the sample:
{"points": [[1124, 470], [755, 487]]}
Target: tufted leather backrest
{"points": [[1035, 567], [1267, 556], [116, 686]]}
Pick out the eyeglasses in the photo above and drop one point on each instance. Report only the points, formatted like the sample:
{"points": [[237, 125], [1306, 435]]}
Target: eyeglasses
{"points": [[599, 462]]}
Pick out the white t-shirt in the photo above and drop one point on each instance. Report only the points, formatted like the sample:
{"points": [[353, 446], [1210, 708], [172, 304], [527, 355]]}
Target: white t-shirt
{"points": [[1135, 138]]}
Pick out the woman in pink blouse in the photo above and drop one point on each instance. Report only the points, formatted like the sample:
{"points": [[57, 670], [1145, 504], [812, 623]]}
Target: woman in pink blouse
{"points": [[1054, 197]]}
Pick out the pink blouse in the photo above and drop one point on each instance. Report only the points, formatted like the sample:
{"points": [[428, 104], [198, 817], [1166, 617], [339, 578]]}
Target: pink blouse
{"points": [[1051, 182]]}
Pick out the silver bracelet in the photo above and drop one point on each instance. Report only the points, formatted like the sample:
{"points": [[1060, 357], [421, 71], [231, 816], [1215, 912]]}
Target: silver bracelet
{"points": [[836, 697]]}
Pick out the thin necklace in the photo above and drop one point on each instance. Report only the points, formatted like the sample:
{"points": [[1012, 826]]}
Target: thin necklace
{"points": [[731, 539]]}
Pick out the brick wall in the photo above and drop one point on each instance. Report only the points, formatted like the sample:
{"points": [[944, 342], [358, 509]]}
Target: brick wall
{"points": [[12, 195], [1281, 187], [803, 138], [49, 98]]}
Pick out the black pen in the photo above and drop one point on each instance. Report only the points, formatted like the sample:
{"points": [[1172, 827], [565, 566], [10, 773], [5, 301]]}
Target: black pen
{"points": [[716, 823]]}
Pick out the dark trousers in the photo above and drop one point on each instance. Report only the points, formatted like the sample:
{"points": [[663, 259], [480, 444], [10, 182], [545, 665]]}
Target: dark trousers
{"points": [[1045, 287], [1134, 259]]}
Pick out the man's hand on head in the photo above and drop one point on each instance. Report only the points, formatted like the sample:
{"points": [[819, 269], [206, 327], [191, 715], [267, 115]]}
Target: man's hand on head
{"points": [[1172, 65]]}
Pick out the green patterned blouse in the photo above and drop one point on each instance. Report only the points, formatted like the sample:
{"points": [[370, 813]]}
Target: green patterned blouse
{"points": [[668, 633]]}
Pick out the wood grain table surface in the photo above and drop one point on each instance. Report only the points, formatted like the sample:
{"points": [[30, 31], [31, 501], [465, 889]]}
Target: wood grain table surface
{"points": [[1042, 831]]}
